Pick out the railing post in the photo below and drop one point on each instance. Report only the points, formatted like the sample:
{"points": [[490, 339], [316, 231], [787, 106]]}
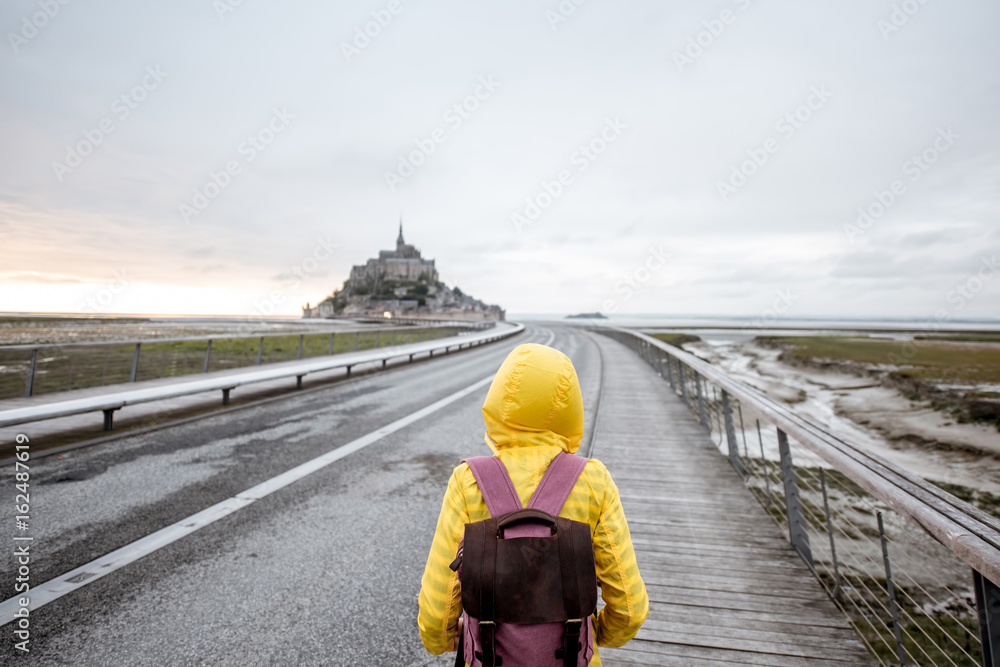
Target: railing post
{"points": [[893, 609], [670, 372], [260, 350], [763, 463], [797, 528], [988, 605], [29, 386], [302, 338], [330, 351], [701, 403], [135, 362], [684, 387], [734, 446], [829, 530], [208, 355]]}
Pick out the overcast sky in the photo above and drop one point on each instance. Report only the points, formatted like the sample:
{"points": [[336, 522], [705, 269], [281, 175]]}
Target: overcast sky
{"points": [[712, 154]]}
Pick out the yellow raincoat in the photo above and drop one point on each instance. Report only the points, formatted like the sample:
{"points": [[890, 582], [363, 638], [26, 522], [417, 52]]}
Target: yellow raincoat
{"points": [[533, 411]]}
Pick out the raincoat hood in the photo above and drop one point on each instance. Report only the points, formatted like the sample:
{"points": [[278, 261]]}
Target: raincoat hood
{"points": [[534, 401]]}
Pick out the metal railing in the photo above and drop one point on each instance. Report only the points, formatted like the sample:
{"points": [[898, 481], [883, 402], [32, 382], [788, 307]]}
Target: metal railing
{"points": [[891, 549], [110, 402], [29, 370]]}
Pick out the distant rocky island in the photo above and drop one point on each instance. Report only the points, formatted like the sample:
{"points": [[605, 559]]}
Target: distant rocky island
{"points": [[400, 283], [587, 316]]}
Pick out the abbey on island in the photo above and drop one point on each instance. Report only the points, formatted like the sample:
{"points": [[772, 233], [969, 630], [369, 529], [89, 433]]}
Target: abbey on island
{"points": [[400, 283]]}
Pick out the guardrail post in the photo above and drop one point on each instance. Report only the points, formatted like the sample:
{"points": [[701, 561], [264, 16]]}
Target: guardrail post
{"points": [[225, 396], [302, 339], [330, 351], [701, 403], [208, 355], [893, 608], [988, 605], [734, 446], [135, 362], [29, 386], [109, 419], [797, 527], [260, 350]]}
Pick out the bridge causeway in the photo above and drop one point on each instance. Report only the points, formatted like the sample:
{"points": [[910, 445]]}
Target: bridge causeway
{"points": [[725, 585]]}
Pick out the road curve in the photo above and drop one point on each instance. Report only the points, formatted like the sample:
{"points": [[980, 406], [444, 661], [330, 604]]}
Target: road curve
{"points": [[324, 571]]}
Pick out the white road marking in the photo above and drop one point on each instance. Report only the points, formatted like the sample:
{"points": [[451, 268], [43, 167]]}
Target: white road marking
{"points": [[73, 580]]}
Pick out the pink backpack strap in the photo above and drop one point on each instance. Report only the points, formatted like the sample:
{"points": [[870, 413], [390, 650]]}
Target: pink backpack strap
{"points": [[557, 483], [495, 485]]}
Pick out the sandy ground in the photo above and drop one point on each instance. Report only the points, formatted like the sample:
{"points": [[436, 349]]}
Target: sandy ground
{"points": [[908, 433]]}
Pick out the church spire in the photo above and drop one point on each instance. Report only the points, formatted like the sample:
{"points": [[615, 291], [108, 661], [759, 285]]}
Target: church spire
{"points": [[399, 239]]}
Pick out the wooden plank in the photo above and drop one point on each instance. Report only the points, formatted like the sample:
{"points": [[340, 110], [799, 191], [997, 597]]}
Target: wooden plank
{"points": [[812, 647], [719, 619], [658, 654]]}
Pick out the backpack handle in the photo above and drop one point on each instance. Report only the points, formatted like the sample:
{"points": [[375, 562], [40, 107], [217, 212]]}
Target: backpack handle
{"points": [[521, 516]]}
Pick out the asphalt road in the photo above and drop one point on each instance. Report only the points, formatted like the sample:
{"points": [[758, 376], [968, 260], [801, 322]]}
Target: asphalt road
{"points": [[325, 571]]}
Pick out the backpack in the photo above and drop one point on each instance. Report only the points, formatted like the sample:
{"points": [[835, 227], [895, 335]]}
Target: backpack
{"points": [[529, 585]]}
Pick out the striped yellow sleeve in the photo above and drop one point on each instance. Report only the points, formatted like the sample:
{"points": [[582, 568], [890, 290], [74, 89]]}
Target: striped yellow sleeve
{"points": [[440, 596], [626, 604]]}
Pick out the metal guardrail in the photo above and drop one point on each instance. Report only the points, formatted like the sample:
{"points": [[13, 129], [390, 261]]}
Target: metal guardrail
{"points": [[39, 353], [889, 547], [109, 403]]}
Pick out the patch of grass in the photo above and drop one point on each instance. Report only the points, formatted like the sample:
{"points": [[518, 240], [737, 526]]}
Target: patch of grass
{"points": [[931, 360], [676, 339], [968, 338], [64, 368]]}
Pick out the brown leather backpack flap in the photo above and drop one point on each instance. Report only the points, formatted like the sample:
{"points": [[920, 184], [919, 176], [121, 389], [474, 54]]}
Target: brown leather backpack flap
{"points": [[527, 583], [528, 587]]}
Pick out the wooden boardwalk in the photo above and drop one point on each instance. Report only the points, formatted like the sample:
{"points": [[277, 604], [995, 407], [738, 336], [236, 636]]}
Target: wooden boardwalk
{"points": [[725, 586]]}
